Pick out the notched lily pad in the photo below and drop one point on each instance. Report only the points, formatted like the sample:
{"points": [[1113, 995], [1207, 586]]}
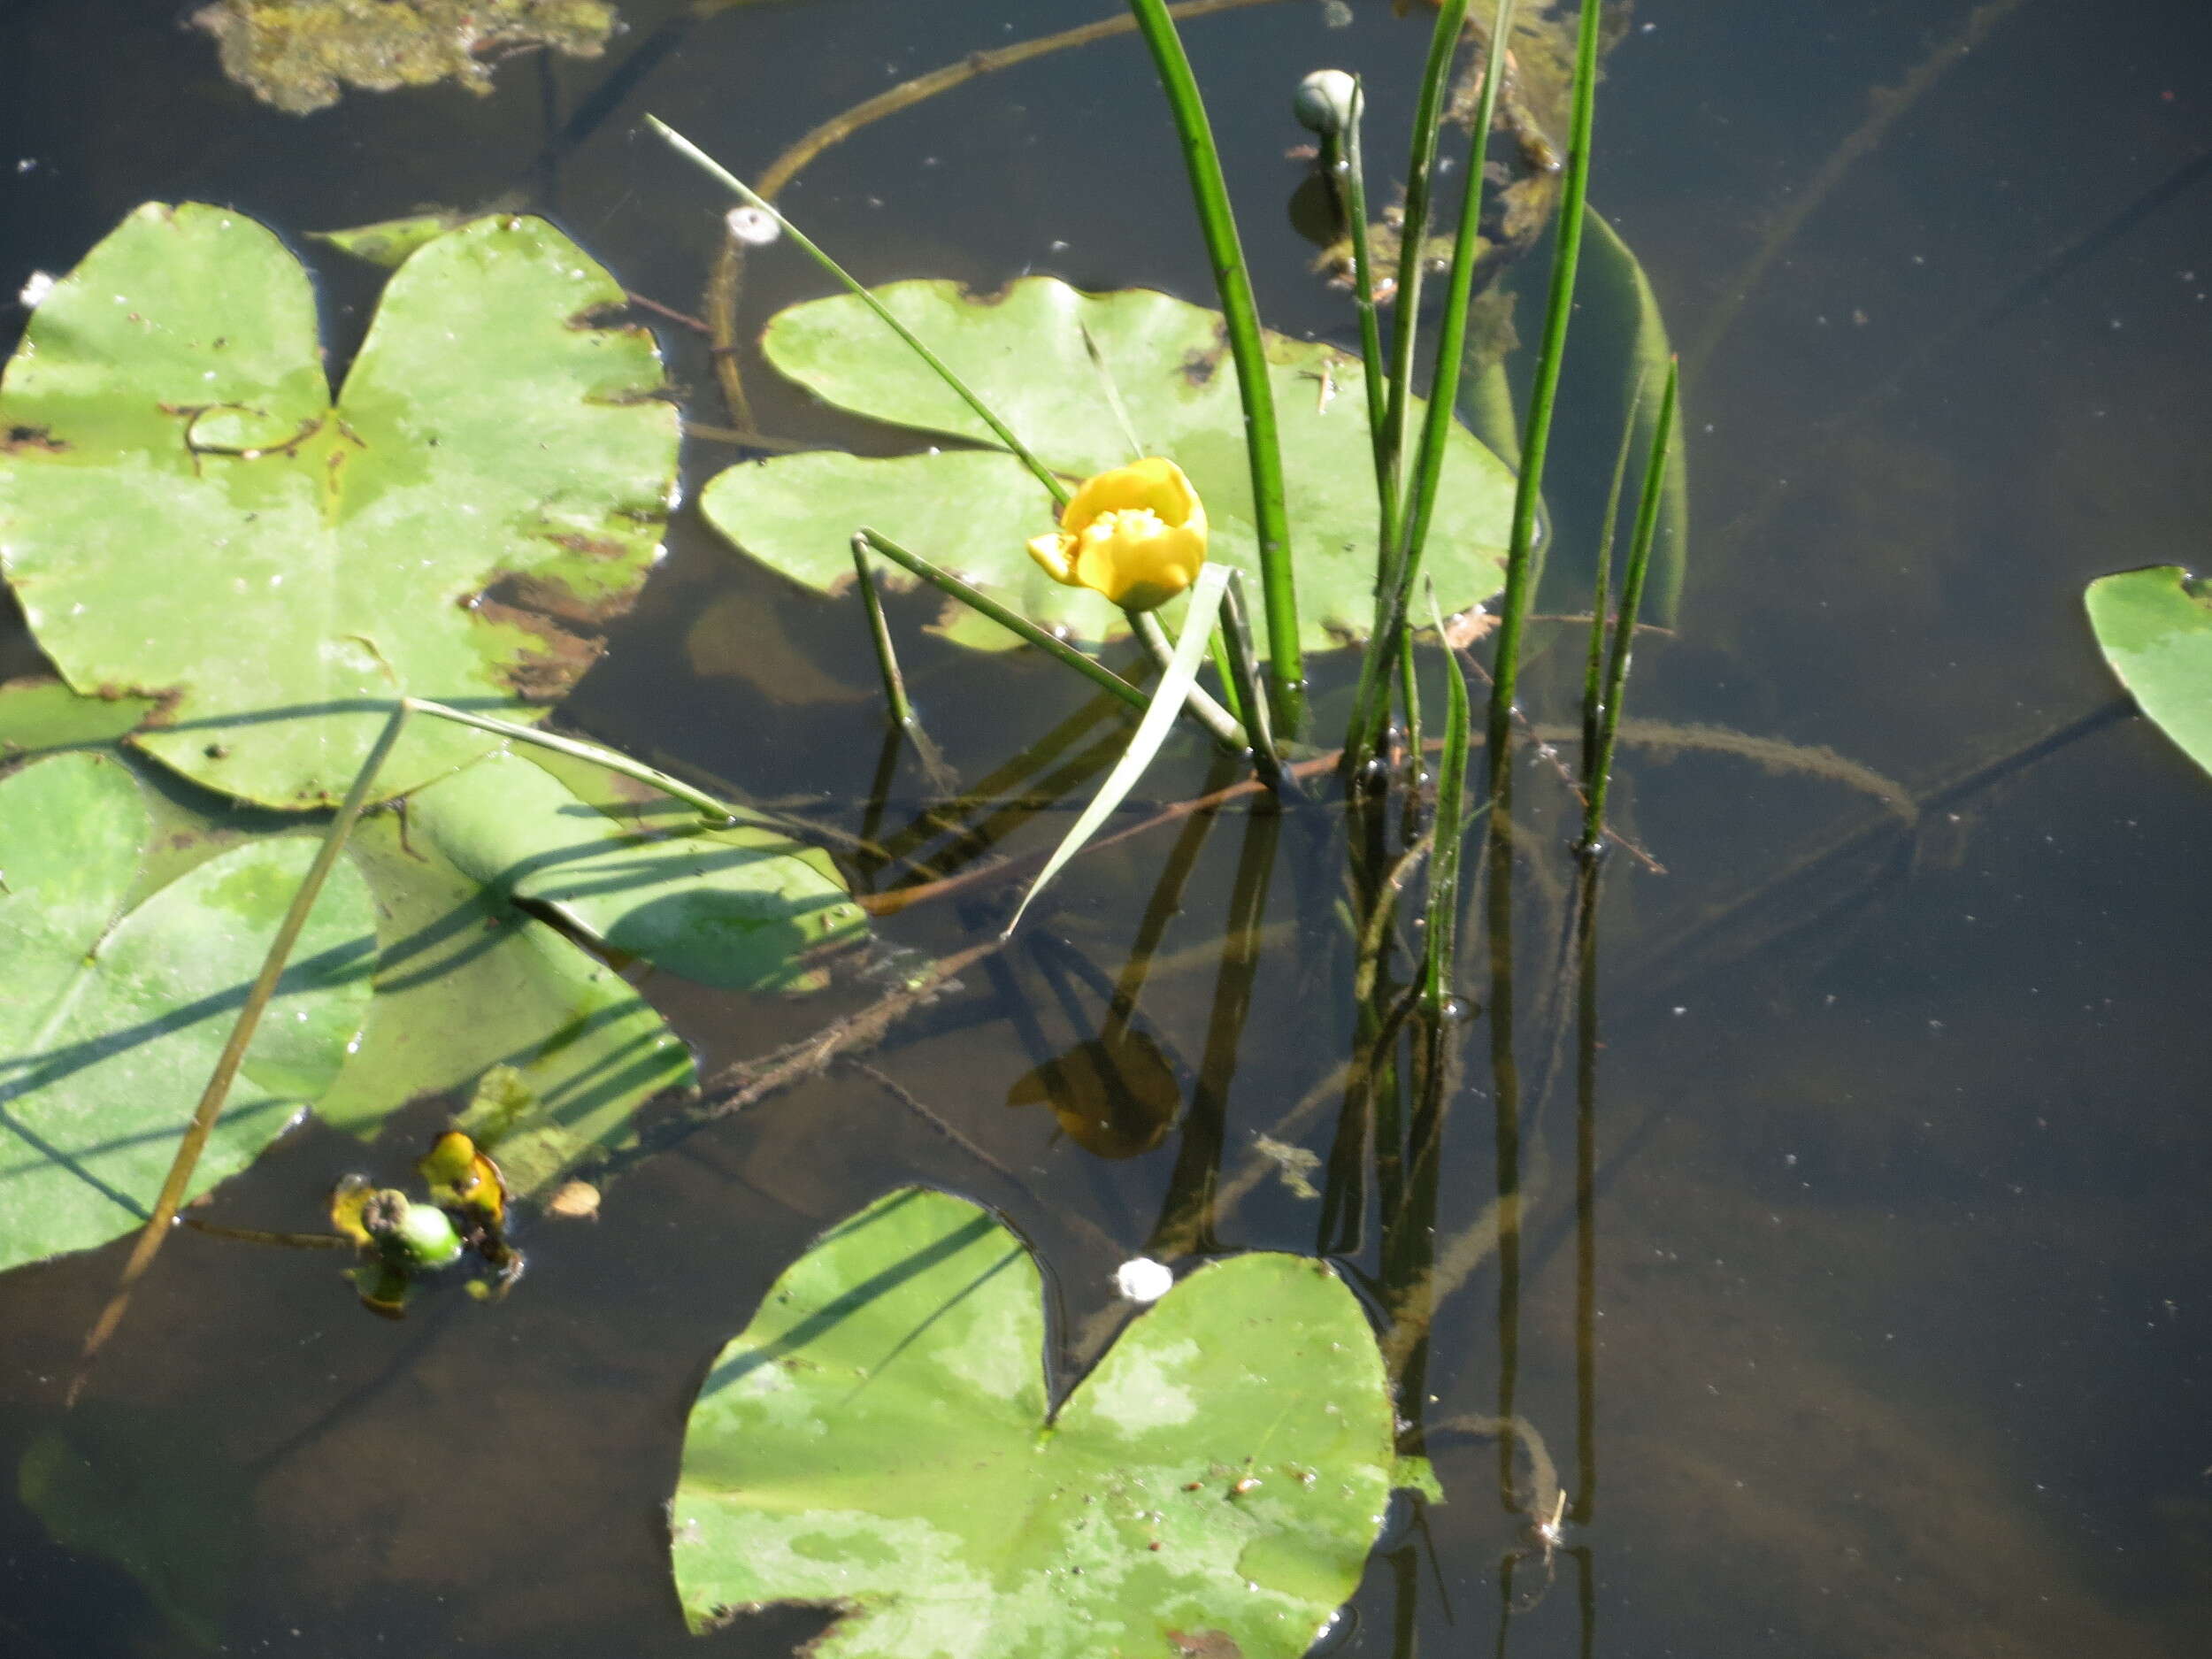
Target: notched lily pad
{"points": [[300, 54], [200, 524], [2154, 627], [879, 1441], [1023, 352], [112, 1013]]}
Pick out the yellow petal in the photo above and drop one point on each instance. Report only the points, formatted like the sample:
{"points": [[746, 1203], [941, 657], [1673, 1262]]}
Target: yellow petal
{"points": [[1051, 551]]}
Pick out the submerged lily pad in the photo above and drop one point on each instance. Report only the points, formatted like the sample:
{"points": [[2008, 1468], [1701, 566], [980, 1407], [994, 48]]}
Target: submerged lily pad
{"points": [[1023, 353], [2154, 627], [112, 1013], [185, 516], [879, 1441], [299, 54]]}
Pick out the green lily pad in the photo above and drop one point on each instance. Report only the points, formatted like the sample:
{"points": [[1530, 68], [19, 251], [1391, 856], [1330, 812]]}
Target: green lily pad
{"points": [[1022, 352], [466, 982], [185, 515], [743, 908], [390, 241], [2154, 627], [41, 715], [111, 1014], [879, 1441]]}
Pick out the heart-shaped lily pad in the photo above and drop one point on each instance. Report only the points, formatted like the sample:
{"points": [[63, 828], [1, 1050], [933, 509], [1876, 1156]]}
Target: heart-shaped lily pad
{"points": [[185, 515], [2154, 627], [1023, 352], [879, 1441], [111, 1014]]}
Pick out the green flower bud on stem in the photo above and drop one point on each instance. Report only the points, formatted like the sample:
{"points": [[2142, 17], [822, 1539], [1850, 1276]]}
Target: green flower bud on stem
{"points": [[1323, 103]]}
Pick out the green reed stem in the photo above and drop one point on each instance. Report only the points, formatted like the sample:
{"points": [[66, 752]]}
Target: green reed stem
{"points": [[178, 1181], [1451, 339], [1235, 635], [1542, 395], [744, 193], [880, 636], [1210, 193], [1601, 593], [1648, 511], [945, 582], [1347, 175], [1400, 556], [1428, 117], [1232, 686]]}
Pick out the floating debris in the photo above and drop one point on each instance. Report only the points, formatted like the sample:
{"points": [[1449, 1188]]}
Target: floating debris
{"points": [[299, 55]]}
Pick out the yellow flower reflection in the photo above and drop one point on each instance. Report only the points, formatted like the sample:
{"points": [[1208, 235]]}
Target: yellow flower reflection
{"points": [[1136, 534]]}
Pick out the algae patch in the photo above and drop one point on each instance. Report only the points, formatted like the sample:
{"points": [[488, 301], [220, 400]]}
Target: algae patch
{"points": [[299, 55]]}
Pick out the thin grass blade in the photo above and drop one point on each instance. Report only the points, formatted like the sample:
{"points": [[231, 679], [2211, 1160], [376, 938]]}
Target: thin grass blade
{"points": [[1648, 512], [1618, 297], [761, 204], [1601, 590], [1151, 732]]}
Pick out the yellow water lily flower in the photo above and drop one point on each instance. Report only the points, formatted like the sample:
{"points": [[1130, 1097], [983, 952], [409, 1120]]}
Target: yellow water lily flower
{"points": [[1136, 533]]}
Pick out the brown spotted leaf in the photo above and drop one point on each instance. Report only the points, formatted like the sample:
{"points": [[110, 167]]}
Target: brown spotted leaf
{"points": [[185, 515]]}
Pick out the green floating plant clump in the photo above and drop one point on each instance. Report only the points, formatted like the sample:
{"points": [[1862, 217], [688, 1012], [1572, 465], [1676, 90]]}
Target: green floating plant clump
{"points": [[881, 1440], [299, 55]]}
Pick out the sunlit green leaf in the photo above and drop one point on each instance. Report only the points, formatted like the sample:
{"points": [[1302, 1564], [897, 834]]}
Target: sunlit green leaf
{"points": [[2154, 627], [743, 908], [879, 1441], [40, 715], [185, 515], [464, 982], [1023, 353], [111, 1014]]}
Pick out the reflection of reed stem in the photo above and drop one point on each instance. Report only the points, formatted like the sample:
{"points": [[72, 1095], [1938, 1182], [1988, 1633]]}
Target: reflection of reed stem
{"points": [[1505, 1087], [1186, 1214], [1585, 1192]]}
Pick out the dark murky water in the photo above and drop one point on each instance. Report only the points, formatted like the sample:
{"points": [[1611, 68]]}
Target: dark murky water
{"points": [[1902, 1343]]}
